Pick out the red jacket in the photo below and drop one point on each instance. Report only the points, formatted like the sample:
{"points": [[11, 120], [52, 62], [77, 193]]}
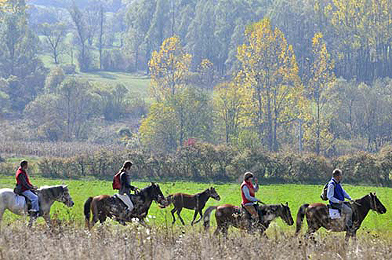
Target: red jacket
{"points": [[251, 192], [20, 171]]}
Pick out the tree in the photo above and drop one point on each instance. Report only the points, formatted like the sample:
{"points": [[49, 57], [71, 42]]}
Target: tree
{"points": [[82, 35], [19, 63], [169, 69], [169, 123], [230, 109], [322, 78], [54, 36], [271, 74]]}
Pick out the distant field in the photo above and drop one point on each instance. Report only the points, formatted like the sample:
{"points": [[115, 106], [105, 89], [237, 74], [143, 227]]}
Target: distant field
{"points": [[136, 83], [295, 195]]}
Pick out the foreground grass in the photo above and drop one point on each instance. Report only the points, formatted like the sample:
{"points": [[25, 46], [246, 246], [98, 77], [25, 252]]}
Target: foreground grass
{"points": [[295, 195], [111, 241]]}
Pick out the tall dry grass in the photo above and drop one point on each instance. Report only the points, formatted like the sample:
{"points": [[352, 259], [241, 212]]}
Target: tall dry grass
{"points": [[111, 241]]}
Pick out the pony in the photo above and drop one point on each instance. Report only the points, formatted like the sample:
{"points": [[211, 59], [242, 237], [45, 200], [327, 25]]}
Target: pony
{"points": [[317, 216], [47, 196], [105, 206], [229, 215], [196, 202]]}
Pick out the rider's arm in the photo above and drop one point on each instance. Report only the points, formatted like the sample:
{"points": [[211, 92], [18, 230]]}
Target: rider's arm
{"points": [[247, 195], [346, 194], [331, 192], [24, 182]]}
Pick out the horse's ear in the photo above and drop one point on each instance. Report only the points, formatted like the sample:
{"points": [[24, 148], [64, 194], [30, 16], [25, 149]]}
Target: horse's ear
{"points": [[287, 203], [153, 183]]}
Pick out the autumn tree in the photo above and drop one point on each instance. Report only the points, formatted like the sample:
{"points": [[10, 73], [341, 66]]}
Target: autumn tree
{"points": [[169, 68], [321, 79], [271, 74]]}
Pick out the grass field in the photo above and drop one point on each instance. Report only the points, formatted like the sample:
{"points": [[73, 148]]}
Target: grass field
{"points": [[295, 195]]}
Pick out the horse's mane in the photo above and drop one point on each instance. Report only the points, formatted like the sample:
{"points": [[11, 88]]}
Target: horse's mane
{"points": [[52, 187]]}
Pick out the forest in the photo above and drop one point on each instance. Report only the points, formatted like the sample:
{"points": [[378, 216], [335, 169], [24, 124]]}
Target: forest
{"points": [[281, 79]]}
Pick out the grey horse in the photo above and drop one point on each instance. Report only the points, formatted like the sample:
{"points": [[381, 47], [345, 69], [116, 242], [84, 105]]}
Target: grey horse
{"points": [[47, 196]]}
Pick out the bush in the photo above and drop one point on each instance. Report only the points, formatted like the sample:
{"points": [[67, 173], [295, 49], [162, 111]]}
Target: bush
{"points": [[69, 68], [205, 162]]}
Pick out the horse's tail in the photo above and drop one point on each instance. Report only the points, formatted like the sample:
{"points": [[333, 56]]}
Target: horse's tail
{"points": [[87, 209], [206, 217], [169, 200], [300, 216]]}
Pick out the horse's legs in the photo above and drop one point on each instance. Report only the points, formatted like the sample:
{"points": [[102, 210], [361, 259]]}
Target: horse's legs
{"points": [[201, 216], [172, 212], [194, 217], [179, 216], [46, 216], [1, 215], [31, 221]]}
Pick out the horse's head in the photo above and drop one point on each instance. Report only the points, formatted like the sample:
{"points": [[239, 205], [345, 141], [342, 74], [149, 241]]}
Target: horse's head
{"points": [[156, 194], [285, 214], [65, 197], [214, 194], [376, 205]]}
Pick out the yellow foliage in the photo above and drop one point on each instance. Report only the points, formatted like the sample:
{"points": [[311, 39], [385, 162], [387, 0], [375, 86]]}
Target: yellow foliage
{"points": [[270, 71], [169, 69]]}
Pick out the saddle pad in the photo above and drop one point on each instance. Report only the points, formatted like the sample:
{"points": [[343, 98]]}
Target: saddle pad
{"points": [[20, 201], [334, 213]]}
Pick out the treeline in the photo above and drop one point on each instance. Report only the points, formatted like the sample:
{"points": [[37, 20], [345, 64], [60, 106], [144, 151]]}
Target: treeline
{"points": [[204, 162], [298, 76]]}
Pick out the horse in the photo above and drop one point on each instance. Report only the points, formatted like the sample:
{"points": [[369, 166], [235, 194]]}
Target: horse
{"points": [[104, 206], [317, 216], [47, 196], [229, 215], [196, 202]]}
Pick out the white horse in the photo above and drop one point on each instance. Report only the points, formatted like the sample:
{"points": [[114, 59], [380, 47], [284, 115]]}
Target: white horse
{"points": [[46, 195]]}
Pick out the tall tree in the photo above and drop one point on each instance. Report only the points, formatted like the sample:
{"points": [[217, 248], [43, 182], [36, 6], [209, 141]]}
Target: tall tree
{"points": [[169, 69], [271, 74], [322, 78], [54, 36]]}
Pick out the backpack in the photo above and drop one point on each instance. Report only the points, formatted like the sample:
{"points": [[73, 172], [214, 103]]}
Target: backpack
{"points": [[323, 195], [116, 181]]}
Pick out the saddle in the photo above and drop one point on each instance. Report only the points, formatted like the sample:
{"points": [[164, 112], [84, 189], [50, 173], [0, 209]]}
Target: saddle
{"points": [[335, 211], [23, 200]]}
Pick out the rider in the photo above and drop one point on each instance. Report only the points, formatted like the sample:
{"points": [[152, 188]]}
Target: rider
{"points": [[126, 186], [249, 200], [336, 195], [24, 187]]}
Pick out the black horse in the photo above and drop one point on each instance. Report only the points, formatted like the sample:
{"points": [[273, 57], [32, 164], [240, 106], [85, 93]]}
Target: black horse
{"points": [[317, 215], [104, 206]]}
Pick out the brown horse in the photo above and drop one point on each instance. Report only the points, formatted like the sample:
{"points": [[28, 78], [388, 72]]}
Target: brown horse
{"points": [[229, 215], [196, 202], [104, 206], [317, 215]]}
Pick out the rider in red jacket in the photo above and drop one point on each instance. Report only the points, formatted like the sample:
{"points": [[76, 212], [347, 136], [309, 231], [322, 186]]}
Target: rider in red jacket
{"points": [[24, 186]]}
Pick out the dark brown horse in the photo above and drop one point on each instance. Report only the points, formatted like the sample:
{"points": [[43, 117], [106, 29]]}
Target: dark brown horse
{"points": [[104, 206], [317, 215], [229, 215], [196, 202]]}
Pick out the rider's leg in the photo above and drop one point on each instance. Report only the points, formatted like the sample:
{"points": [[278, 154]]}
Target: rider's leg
{"points": [[346, 210], [34, 200]]}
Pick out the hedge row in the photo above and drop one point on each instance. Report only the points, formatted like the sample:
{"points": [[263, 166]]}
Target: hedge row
{"points": [[205, 162]]}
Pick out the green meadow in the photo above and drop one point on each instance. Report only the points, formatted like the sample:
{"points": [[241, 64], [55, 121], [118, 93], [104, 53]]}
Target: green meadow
{"points": [[295, 195]]}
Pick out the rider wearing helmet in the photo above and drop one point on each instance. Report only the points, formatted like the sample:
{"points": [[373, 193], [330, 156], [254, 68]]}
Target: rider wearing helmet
{"points": [[249, 200]]}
